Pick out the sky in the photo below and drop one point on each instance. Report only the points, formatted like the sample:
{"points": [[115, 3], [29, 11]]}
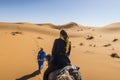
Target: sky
{"points": [[84, 12]]}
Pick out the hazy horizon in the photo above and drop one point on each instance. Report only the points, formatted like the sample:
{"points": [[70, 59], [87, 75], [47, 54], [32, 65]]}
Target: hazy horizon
{"points": [[87, 12]]}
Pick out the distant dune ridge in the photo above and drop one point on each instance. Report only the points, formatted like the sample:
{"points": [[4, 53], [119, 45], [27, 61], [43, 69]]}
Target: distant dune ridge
{"points": [[111, 28], [65, 26], [95, 50], [113, 25]]}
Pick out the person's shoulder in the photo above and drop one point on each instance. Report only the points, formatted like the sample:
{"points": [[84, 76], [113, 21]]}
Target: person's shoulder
{"points": [[44, 52], [41, 51], [57, 40]]}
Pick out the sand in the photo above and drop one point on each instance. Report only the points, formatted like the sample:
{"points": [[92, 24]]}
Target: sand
{"points": [[91, 49]]}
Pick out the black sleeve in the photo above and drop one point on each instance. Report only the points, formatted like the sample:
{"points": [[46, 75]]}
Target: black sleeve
{"points": [[38, 55], [54, 48], [69, 50]]}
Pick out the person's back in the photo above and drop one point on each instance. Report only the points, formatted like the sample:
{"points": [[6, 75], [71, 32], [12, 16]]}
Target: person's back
{"points": [[60, 57], [41, 55], [59, 47], [60, 52]]}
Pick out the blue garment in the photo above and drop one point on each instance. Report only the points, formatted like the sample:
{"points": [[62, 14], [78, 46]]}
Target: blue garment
{"points": [[41, 58], [40, 63]]}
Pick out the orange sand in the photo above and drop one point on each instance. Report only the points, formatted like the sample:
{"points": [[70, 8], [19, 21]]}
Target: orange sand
{"points": [[20, 43]]}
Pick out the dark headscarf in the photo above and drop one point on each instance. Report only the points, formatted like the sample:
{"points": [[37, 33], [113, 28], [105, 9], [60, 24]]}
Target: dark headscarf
{"points": [[64, 34]]}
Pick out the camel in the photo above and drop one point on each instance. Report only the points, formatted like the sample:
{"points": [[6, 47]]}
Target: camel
{"points": [[67, 73]]}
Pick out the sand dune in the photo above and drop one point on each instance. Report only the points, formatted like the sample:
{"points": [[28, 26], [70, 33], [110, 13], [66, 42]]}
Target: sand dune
{"points": [[32, 28], [113, 25], [91, 49], [69, 26], [111, 28]]}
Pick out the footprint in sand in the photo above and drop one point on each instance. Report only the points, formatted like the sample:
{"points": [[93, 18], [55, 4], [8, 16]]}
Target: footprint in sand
{"points": [[39, 38], [113, 49], [81, 44], [92, 45], [100, 36], [73, 46]]}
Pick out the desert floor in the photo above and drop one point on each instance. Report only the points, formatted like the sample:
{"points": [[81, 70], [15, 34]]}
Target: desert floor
{"points": [[91, 49]]}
